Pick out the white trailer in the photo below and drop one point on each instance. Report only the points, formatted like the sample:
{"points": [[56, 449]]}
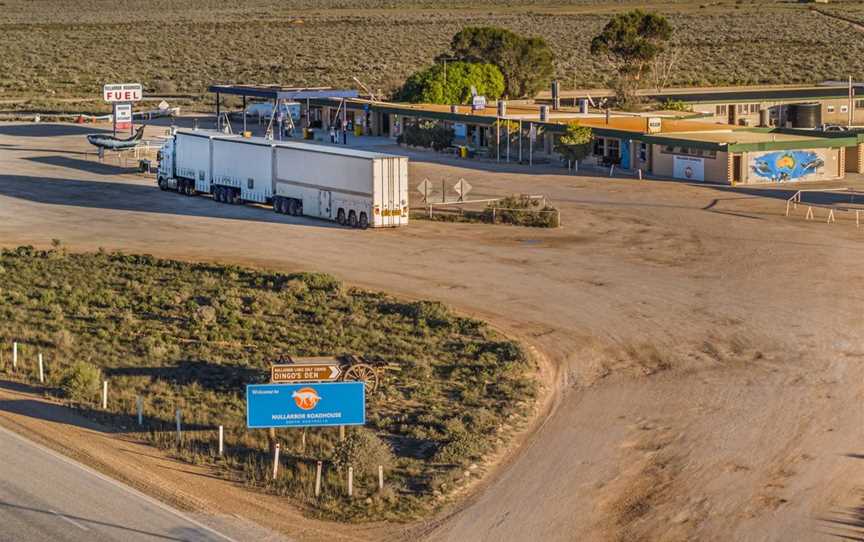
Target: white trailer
{"points": [[352, 187], [242, 169]]}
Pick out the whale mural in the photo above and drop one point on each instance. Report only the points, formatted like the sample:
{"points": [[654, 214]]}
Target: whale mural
{"points": [[783, 166]]}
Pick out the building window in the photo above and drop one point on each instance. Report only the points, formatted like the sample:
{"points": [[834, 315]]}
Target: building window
{"points": [[613, 148], [598, 146], [830, 108], [689, 151], [643, 152], [720, 110], [754, 108], [844, 108], [859, 104]]}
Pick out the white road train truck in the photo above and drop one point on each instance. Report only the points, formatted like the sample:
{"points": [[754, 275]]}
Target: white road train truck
{"points": [[352, 187]]}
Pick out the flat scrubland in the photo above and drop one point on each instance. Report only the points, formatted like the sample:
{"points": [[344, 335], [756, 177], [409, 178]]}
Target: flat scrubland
{"points": [[191, 336], [53, 49]]}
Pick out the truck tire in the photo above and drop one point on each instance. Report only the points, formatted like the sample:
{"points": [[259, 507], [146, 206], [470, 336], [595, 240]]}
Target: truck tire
{"points": [[283, 206], [364, 221], [276, 201], [293, 207], [340, 216], [217, 194], [352, 219], [161, 183], [235, 197]]}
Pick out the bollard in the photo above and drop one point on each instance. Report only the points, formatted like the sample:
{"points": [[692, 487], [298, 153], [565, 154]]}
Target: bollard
{"points": [[41, 370], [350, 481], [104, 395], [221, 440], [341, 433], [275, 460], [15, 356], [318, 480], [179, 431], [139, 403], [380, 477]]}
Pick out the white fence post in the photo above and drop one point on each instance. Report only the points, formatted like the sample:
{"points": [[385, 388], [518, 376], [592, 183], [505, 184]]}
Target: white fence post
{"points": [[15, 355], [380, 477], [275, 460], [41, 370], [139, 404], [104, 395], [350, 481], [179, 431], [221, 440], [318, 479]]}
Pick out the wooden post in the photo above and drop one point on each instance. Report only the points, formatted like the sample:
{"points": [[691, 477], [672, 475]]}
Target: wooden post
{"points": [[221, 440], [179, 429], [341, 433], [303, 441], [520, 141], [380, 477], [275, 460], [41, 370], [139, 406], [104, 395], [318, 480], [350, 481], [443, 192]]}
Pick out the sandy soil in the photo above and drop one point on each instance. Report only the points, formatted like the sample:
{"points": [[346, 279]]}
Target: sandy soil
{"points": [[709, 348]]}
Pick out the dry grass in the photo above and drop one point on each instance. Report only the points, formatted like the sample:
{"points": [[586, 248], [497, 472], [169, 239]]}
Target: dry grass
{"points": [[192, 336], [70, 48]]}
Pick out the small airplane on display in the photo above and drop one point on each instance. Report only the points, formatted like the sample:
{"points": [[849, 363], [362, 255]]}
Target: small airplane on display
{"points": [[114, 143]]}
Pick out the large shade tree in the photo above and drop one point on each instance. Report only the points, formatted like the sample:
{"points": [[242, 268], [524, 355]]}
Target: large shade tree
{"points": [[631, 41], [451, 83], [527, 63]]}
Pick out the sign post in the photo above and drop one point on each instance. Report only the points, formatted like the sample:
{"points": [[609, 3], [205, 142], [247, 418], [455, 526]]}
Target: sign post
{"points": [[305, 405], [121, 96], [304, 372]]}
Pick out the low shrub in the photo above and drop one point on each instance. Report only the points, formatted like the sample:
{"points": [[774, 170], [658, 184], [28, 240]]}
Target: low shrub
{"points": [[363, 450], [80, 382]]}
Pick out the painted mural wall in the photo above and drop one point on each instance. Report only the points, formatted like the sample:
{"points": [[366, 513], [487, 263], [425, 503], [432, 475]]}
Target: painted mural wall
{"points": [[786, 166]]}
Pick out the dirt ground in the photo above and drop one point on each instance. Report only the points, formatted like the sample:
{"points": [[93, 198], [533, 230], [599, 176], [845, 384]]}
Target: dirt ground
{"points": [[708, 348]]}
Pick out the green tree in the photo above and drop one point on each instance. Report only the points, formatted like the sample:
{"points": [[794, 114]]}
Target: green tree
{"points": [[631, 41], [451, 83], [575, 144], [527, 63]]}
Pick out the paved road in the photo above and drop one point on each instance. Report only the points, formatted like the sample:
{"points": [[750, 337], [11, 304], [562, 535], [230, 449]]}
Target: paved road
{"points": [[44, 496]]}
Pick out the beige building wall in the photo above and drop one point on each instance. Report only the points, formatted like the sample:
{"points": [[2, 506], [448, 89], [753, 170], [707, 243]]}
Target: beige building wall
{"points": [[716, 169], [834, 111], [833, 167], [855, 158]]}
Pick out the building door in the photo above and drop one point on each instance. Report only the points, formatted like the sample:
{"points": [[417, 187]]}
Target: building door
{"points": [[736, 168], [385, 124], [731, 113], [324, 197]]}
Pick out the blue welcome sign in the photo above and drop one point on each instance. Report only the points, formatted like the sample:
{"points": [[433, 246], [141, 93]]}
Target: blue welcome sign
{"points": [[305, 405]]}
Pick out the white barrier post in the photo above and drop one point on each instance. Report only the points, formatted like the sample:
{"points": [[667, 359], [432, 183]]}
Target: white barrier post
{"points": [[275, 460], [380, 477], [350, 481], [318, 480], [221, 440], [104, 395], [41, 370], [179, 433], [139, 404], [15, 356]]}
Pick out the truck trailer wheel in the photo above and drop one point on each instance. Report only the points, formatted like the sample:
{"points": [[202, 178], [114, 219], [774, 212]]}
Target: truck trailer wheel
{"points": [[340, 216], [219, 194], [364, 221], [352, 219], [294, 207], [161, 182]]}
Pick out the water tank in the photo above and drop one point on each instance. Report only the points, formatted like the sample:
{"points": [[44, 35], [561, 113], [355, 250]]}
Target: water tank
{"points": [[502, 108], [808, 115], [544, 113]]}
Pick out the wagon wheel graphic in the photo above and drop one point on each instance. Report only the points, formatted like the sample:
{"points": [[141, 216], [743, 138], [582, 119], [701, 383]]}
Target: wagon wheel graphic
{"points": [[362, 372]]}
